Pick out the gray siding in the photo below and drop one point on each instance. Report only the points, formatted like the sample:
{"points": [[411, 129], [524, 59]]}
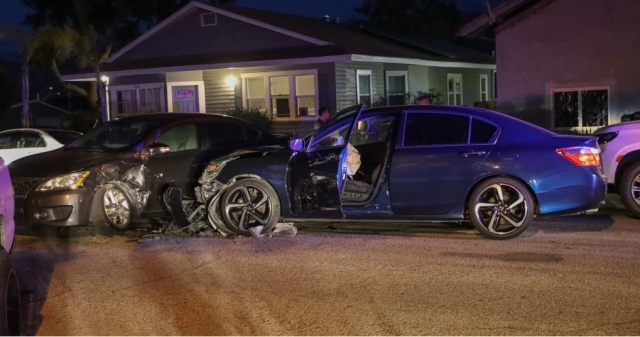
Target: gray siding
{"points": [[185, 37], [562, 46], [346, 87], [218, 96], [470, 82]]}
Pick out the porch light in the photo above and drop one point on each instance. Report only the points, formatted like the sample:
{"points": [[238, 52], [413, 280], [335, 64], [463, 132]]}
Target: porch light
{"points": [[231, 82], [105, 79]]}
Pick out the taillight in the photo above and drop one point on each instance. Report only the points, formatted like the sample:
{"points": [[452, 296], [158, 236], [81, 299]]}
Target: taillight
{"points": [[604, 138], [581, 156]]}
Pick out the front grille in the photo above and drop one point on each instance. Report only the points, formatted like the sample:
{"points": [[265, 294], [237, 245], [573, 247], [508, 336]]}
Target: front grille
{"points": [[21, 186]]}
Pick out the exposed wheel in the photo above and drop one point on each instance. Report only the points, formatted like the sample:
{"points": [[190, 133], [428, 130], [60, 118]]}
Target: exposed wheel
{"points": [[629, 189], [112, 207], [501, 208], [9, 297], [250, 203]]}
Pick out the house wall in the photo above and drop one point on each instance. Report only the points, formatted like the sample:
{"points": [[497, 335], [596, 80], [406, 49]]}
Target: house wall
{"points": [[346, 86], [185, 36], [470, 82], [562, 45]]}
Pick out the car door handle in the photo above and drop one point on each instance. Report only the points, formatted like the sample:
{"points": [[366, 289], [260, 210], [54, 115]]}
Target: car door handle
{"points": [[472, 153]]}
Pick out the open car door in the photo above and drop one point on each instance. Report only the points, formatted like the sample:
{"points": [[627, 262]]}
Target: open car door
{"points": [[315, 172]]}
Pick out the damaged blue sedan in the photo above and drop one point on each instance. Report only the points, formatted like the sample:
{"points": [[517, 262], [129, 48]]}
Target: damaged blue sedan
{"points": [[422, 163]]}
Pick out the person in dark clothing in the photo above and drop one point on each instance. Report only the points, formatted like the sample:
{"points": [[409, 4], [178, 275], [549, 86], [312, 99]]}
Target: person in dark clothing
{"points": [[322, 119]]}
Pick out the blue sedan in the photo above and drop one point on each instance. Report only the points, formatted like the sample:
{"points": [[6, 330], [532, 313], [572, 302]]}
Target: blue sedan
{"points": [[423, 163]]}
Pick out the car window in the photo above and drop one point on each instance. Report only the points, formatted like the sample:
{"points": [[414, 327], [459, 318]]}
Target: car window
{"points": [[230, 132], [372, 130], [64, 137], [481, 131], [5, 140], [334, 132], [436, 129], [29, 139], [113, 136], [180, 138], [332, 139]]}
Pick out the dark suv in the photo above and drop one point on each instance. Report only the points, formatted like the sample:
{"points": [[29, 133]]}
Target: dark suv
{"points": [[117, 172]]}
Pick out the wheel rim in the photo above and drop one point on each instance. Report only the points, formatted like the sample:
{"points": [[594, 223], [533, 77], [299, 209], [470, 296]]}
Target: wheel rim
{"points": [[117, 208], [501, 209], [248, 206], [635, 189]]}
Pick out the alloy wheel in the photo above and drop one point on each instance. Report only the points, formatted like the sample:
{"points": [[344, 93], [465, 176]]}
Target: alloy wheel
{"points": [[501, 208], [248, 206], [117, 208]]}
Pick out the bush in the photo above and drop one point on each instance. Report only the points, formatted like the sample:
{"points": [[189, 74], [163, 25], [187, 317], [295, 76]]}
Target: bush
{"points": [[253, 116]]}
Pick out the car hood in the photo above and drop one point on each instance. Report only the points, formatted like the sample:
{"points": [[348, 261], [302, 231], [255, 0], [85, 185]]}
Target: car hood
{"points": [[58, 162]]}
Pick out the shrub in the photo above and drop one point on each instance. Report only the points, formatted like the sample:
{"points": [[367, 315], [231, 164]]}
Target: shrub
{"points": [[253, 116]]}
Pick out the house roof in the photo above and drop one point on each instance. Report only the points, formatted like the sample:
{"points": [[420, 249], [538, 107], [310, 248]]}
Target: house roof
{"points": [[326, 42], [507, 12]]}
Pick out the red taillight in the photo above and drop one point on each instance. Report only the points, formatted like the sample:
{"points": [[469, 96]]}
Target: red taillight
{"points": [[581, 156]]}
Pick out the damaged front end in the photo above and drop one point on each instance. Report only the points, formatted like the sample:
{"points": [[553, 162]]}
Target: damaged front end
{"points": [[196, 215]]}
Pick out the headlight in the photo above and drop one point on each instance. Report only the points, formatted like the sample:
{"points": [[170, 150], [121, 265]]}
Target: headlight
{"points": [[214, 169], [70, 181]]}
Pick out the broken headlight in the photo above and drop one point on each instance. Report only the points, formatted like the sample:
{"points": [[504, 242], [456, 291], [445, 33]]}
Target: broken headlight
{"points": [[213, 169], [69, 181]]}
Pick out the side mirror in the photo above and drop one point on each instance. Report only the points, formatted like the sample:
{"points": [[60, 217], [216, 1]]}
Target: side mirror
{"points": [[296, 144], [158, 149]]}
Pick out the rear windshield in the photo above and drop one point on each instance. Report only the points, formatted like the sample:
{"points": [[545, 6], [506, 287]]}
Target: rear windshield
{"points": [[64, 137]]}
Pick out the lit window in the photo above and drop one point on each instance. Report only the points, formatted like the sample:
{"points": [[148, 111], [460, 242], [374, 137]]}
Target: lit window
{"points": [[288, 94], [454, 89], [581, 107]]}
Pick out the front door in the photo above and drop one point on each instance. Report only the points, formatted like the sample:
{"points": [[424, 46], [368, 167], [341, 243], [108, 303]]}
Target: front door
{"points": [[185, 98], [315, 174]]}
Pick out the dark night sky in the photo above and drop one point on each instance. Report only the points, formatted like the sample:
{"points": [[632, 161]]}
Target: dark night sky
{"points": [[13, 12]]}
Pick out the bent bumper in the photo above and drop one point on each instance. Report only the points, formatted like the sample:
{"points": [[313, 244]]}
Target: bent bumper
{"points": [[576, 190], [54, 208]]}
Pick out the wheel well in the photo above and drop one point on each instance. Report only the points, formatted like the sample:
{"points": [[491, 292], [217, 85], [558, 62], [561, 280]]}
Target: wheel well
{"points": [[536, 205], [628, 160]]}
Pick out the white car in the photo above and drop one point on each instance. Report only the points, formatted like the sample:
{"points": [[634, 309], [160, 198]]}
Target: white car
{"points": [[9, 288], [18, 143], [620, 145]]}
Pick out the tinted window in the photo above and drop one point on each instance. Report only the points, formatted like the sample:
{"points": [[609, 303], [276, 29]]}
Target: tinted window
{"points": [[113, 136], [5, 140], [372, 130], [435, 129], [481, 131], [230, 133], [29, 139], [64, 137], [180, 138]]}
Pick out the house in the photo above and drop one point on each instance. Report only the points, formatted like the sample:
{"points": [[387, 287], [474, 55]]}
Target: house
{"points": [[565, 65], [210, 59]]}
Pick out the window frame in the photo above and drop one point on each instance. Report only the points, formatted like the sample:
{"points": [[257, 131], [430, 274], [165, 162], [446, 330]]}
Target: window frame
{"points": [[392, 73], [293, 96], [113, 97], [579, 90], [484, 77], [364, 72], [454, 93]]}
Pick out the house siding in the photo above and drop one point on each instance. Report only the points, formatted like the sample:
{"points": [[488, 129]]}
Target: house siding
{"points": [[470, 82], [562, 45], [346, 86], [185, 37]]}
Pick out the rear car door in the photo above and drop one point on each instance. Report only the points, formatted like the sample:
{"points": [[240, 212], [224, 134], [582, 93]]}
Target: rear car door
{"points": [[436, 157]]}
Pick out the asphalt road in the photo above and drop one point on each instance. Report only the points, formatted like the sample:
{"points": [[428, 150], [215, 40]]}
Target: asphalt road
{"points": [[572, 275]]}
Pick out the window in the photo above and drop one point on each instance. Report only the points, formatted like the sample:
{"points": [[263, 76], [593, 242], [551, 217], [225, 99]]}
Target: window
{"points": [[137, 99], [484, 88], [454, 89], [396, 87], [289, 94], [363, 87], [220, 133], [180, 138], [481, 131], [581, 108], [436, 129], [5, 140], [372, 130]]}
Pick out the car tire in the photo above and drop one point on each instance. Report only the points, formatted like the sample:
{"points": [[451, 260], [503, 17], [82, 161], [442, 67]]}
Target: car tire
{"points": [[248, 204], [629, 189], [112, 210], [501, 208], [10, 300]]}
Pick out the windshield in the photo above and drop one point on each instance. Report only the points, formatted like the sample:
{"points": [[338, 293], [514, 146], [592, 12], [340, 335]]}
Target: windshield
{"points": [[113, 136]]}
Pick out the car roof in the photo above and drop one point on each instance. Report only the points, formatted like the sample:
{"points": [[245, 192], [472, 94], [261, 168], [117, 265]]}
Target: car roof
{"points": [[167, 117]]}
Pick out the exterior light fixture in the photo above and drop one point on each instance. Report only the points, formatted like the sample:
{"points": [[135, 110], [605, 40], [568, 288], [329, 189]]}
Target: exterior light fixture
{"points": [[231, 82]]}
